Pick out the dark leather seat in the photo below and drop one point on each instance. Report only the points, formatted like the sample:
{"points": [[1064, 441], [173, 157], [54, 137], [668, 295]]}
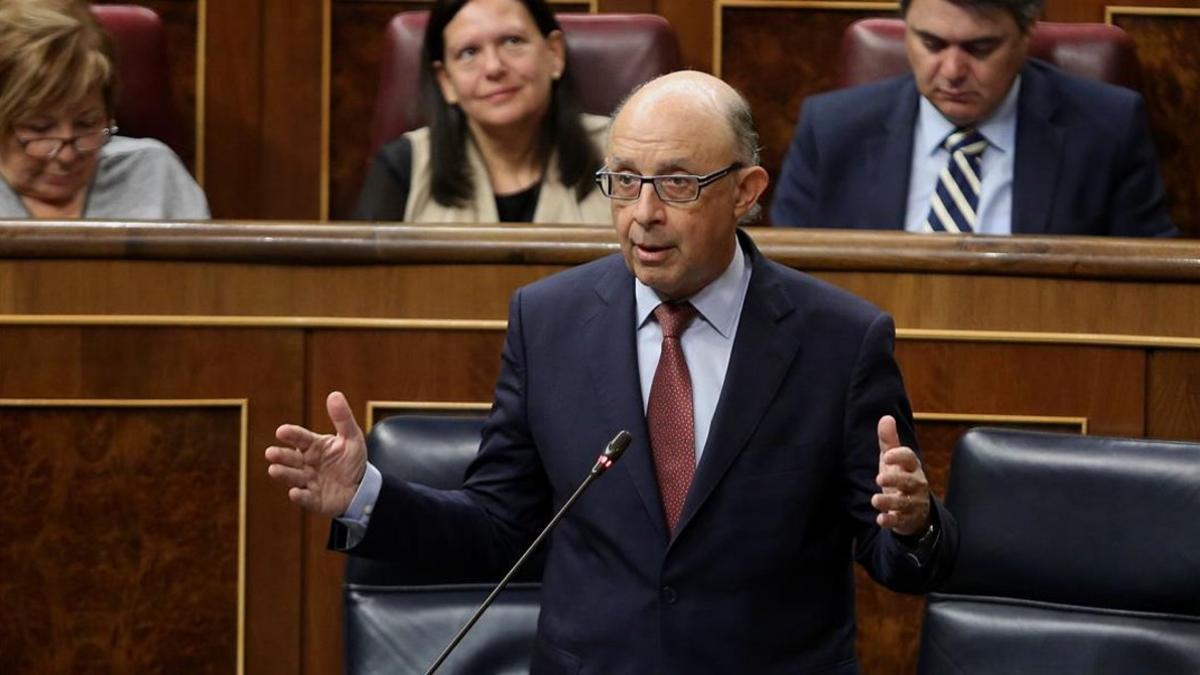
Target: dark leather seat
{"points": [[608, 54], [396, 622], [1078, 554], [144, 107], [873, 49]]}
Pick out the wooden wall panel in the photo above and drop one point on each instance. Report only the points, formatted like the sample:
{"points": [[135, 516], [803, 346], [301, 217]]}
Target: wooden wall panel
{"points": [[1171, 84], [180, 21], [1038, 380], [417, 365], [984, 380], [329, 326], [1173, 410], [262, 366], [764, 57], [102, 522], [292, 109], [233, 108], [357, 35]]}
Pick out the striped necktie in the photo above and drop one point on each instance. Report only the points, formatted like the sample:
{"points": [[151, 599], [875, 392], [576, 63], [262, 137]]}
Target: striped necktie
{"points": [[956, 196]]}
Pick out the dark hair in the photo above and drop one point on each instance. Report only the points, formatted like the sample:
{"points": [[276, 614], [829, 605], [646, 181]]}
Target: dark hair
{"points": [[562, 128], [1024, 12]]}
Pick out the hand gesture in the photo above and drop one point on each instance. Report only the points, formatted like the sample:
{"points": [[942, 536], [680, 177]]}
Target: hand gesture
{"points": [[904, 503], [323, 471]]}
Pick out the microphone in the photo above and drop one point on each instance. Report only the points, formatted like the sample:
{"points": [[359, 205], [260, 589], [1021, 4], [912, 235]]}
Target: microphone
{"points": [[612, 452]]}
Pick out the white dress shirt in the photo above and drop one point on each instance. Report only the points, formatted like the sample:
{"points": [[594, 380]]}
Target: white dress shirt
{"points": [[994, 211]]}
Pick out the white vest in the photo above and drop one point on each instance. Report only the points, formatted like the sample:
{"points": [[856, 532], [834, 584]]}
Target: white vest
{"points": [[556, 202]]}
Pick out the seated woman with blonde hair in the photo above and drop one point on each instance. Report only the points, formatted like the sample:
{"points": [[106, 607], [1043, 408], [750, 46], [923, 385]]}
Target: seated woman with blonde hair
{"points": [[59, 155], [506, 139]]}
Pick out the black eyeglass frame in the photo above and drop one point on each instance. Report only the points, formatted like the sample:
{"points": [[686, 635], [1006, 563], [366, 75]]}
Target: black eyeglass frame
{"points": [[701, 182], [104, 135]]}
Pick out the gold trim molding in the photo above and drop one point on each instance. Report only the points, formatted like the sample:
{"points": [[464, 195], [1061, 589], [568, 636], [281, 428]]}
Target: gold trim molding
{"points": [[1112, 11], [839, 5], [499, 325], [425, 406], [201, 88], [243, 406], [984, 418]]}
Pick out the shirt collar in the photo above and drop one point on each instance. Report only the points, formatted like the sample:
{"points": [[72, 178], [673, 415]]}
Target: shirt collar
{"points": [[717, 303], [1000, 129]]}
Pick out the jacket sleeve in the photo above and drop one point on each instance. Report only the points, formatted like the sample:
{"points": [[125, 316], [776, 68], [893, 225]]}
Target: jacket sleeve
{"points": [[476, 532], [1139, 200], [877, 389]]}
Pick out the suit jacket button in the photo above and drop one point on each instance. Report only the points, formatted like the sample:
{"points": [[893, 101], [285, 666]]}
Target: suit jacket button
{"points": [[669, 595]]}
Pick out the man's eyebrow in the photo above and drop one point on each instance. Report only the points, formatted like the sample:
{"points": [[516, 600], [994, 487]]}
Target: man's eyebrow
{"points": [[926, 35], [982, 40], [664, 167]]}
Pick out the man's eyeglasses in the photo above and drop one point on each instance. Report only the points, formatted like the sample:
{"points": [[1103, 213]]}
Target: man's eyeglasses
{"points": [[48, 147], [676, 187]]}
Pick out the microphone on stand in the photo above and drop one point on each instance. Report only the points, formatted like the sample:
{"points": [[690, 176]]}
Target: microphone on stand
{"points": [[612, 452]]}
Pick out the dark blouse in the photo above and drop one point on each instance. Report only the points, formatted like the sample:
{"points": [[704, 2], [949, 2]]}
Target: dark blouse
{"points": [[385, 191]]}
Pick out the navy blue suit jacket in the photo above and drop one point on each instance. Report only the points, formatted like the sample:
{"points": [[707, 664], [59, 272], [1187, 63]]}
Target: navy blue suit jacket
{"points": [[1085, 162], [757, 578]]}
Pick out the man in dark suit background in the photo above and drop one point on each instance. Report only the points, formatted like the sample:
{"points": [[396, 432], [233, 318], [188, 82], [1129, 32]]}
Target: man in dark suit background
{"points": [[1063, 155], [773, 441]]}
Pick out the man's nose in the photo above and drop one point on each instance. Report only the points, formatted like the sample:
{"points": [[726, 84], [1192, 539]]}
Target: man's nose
{"points": [[649, 206], [955, 64]]}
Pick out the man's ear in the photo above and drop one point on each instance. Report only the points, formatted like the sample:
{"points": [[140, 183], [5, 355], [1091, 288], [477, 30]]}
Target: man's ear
{"points": [[443, 80], [751, 183]]}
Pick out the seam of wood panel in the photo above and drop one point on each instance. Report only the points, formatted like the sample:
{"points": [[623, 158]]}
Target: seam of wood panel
{"points": [[982, 418], [426, 406], [326, 87], [185, 321], [719, 5], [1029, 337], [201, 71], [991, 418], [1112, 11], [303, 322], [243, 406]]}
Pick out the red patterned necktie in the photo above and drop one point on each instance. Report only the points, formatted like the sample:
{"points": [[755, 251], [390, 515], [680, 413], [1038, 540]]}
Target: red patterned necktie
{"points": [[670, 415]]}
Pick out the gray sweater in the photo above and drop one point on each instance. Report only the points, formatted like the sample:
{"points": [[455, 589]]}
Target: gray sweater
{"points": [[137, 179]]}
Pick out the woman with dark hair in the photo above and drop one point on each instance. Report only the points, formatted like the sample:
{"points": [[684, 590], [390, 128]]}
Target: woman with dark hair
{"points": [[506, 139]]}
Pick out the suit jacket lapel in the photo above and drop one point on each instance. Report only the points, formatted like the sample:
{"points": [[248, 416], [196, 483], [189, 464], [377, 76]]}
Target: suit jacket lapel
{"points": [[889, 156], [761, 354], [1039, 151], [609, 339]]}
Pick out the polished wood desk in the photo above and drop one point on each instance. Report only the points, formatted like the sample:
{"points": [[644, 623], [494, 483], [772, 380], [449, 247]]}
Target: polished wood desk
{"points": [[144, 367]]}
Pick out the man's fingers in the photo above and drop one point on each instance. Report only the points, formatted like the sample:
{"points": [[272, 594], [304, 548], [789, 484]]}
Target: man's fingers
{"points": [[902, 458], [285, 456], [288, 476], [305, 498], [884, 501], [341, 415], [296, 436], [907, 483], [888, 436]]}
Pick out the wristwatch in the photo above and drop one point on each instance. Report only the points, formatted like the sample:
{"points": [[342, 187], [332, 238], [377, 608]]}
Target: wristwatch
{"points": [[919, 547]]}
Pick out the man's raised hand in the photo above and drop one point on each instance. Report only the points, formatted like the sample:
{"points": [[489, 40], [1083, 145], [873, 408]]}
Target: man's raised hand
{"points": [[904, 503], [322, 471]]}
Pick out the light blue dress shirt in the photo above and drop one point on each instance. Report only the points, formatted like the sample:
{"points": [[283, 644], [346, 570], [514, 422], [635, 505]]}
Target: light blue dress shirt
{"points": [[707, 345], [994, 212], [707, 342]]}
